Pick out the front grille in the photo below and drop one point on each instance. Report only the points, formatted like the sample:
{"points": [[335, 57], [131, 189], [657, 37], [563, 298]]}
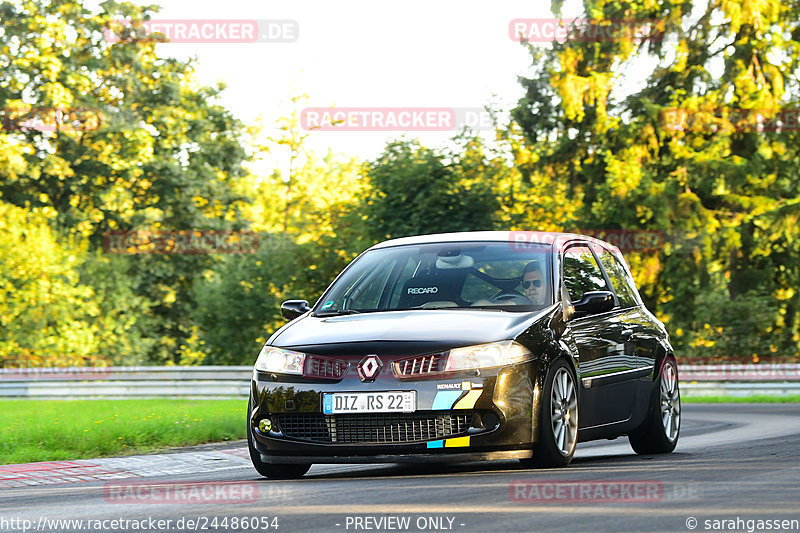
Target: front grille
{"points": [[373, 428], [326, 367], [420, 365]]}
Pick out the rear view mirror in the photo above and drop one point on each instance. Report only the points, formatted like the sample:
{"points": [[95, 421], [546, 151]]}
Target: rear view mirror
{"points": [[291, 309], [454, 261], [594, 302]]}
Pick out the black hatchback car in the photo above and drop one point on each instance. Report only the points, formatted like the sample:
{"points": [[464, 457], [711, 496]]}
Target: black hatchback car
{"points": [[465, 346]]}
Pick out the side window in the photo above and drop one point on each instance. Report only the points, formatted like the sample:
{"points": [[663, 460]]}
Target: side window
{"points": [[619, 280], [581, 273]]}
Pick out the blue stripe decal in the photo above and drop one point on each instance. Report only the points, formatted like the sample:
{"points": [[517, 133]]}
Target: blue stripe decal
{"points": [[445, 399], [436, 444]]}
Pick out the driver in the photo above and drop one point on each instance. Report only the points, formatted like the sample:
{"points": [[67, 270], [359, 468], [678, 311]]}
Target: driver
{"points": [[533, 283]]}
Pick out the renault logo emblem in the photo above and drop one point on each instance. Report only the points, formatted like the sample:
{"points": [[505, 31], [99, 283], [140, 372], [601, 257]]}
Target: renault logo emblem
{"points": [[369, 367]]}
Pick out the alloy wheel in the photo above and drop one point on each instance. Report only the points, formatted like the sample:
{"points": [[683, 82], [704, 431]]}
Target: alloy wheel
{"points": [[564, 411], [670, 401]]}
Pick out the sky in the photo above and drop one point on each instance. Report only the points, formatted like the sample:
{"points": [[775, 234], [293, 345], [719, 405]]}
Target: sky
{"points": [[354, 53]]}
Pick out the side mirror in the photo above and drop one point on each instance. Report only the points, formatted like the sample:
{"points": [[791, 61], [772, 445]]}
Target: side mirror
{"points": [[594, 302], [291, 309]]}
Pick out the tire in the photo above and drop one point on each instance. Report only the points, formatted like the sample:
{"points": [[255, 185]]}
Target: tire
{"points": [[558, 419], [270, 470], [660, 430]]}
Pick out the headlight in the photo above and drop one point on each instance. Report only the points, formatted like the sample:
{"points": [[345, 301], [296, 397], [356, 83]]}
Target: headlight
{"points": [[486, 355], [272, 359]]}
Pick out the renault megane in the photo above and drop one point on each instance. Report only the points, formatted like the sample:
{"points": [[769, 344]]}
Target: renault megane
{"points": [[465, 346]]}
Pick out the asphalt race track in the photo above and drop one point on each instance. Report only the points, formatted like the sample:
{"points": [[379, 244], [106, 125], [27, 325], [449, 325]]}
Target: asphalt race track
{"points": [[735, 469]]}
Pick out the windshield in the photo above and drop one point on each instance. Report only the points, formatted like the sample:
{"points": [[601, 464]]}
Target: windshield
{"points": [[443, 275]]}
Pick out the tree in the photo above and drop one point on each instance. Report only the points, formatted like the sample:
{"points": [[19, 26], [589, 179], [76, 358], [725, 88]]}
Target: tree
{"points": [[414, 190], [47, 317], [683, 154], [311, 225], [112, 137]]}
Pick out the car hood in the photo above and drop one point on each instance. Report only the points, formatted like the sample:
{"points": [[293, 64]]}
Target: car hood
{"points": [[437, 327]]}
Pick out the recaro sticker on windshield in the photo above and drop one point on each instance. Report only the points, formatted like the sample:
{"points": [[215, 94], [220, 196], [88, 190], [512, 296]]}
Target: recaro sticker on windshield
{"points": [[423, 290]]}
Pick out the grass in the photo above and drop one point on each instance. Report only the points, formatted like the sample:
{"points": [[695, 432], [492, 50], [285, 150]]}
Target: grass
{"points": [[48, 431], [792, 398]]}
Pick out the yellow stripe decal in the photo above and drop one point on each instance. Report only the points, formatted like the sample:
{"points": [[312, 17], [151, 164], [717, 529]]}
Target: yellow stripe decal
{"points": [[458, 442], [468, 401]]}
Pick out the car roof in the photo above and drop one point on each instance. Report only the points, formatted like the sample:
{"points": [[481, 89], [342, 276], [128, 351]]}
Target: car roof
{"points": [[514, 238]]}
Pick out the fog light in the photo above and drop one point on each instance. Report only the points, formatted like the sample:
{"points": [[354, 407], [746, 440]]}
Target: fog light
{"points": [[265, 425]]}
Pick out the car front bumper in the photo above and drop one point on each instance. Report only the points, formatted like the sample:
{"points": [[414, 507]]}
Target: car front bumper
{"points": [[460, 417]]}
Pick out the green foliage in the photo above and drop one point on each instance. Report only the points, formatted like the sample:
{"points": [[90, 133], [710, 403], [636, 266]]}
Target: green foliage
{"points": [[155, 151], [161, 151], [46, 316], [312, 226], [727, 328], [141, 145], [124, 321], [239, 306], [414, 190], [729, 188]]}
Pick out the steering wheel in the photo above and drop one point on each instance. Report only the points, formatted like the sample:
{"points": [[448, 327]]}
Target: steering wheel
{"points": [[510, 297]]}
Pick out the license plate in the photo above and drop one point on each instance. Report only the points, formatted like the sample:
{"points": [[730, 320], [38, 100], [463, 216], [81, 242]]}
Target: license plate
{"points": [[369, 402]]}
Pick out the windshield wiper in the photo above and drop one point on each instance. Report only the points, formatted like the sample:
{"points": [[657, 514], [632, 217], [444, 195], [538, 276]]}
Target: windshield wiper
{"points": [[471, 307], [339, 312], [449, 307]]}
